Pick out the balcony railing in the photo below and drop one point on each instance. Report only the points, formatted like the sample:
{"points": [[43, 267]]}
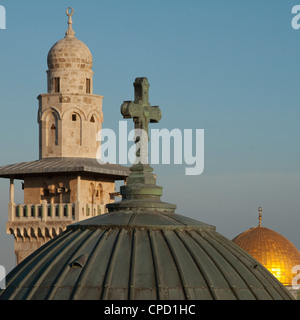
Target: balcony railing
{"points": [[65, 211], [48, 211]]}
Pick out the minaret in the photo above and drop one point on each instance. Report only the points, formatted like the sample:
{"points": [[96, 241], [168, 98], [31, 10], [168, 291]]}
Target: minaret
{"points": [[70, 115], [67, 184]]}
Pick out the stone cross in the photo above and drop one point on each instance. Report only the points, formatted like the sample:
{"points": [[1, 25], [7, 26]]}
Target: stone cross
{"points": [[141, 111], [141, 191]]}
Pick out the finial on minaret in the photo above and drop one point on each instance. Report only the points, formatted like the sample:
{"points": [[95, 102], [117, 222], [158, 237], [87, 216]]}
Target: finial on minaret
{"points": [[70, 32], [259, 217]]}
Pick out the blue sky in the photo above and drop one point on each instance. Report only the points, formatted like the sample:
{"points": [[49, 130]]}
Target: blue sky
{"points": [[228, 67]]}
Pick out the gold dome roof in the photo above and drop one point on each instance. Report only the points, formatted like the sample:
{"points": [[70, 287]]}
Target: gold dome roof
{"points": [[272, 250]]}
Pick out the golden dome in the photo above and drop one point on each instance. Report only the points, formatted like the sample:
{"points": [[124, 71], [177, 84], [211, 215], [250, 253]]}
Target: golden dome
{"points": [[272, 250], [70, 52]]}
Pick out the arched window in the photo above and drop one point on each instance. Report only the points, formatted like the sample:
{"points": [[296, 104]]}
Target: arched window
{"points": [[51, 130], [93, 129], [92, 193], [100, 194], [75, 130]]}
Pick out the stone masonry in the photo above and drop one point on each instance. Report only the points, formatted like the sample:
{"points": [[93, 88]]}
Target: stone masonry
{"points": [[69, 117]]}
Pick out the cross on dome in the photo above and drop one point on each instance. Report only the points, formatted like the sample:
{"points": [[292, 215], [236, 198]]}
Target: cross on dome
{"points": [[141, 111], [141, 191]]}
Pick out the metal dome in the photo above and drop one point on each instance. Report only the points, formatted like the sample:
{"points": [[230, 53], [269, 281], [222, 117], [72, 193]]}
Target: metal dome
{"points": [[141, 249], [141, 255]]}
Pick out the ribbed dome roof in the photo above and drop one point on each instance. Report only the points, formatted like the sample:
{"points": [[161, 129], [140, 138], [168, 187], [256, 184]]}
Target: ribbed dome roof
{"points": [[141, 255], [272, 250], [141, 249]]}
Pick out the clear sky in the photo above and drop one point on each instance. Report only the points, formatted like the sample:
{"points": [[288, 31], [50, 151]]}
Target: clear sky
{"points": [[228, 67]]}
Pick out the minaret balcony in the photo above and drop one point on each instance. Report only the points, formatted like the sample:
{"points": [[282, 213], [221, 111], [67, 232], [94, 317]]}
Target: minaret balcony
{"points": [[44, 212]]}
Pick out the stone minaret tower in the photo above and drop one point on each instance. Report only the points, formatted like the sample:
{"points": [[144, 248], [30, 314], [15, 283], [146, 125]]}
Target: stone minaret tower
{"points": [[70, 115], [66, 184]]}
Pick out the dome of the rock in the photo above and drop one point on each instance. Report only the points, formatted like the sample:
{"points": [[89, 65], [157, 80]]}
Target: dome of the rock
{"points": [[272, 250]]}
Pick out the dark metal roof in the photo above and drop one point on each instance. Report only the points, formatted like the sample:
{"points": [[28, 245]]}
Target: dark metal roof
{"points": [[141, 255], [140, 250], [62, 165]]}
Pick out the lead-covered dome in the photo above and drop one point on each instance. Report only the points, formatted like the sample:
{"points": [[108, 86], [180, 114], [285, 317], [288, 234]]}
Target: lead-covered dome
{"points": [[142, 250], [70, 52], [141, 255]]}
